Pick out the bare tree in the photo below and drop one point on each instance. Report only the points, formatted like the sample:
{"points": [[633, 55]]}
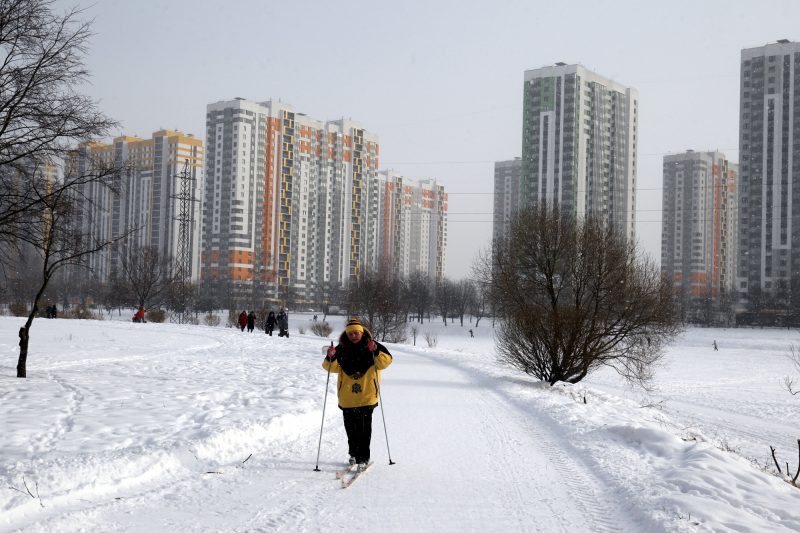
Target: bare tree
{"points": [[42, 115], [445, 298], [575, 297], [147, 274], [463, 298], [377, 296], [480, 303], [114, 296], [326, 294], [419, 293], [60, 236]]}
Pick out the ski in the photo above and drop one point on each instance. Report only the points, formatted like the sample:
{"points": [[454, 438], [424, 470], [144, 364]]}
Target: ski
{"points": [[342, 473], [348, 480]]}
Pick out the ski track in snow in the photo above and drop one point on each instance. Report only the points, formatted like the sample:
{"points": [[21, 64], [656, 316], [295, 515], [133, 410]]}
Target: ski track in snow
{"points": [[586, 490], [429, 400]]}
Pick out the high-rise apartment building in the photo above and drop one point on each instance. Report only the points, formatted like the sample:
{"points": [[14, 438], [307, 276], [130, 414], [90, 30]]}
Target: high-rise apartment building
{"points": [[146, 204], [769, 167], [88, 159], [413, 228], [288, 201], [507, 197], [295, 207], [579, 143], [698, 236]]}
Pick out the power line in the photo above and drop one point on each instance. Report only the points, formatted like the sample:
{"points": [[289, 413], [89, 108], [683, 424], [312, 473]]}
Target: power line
{"points": [[484, 161]]}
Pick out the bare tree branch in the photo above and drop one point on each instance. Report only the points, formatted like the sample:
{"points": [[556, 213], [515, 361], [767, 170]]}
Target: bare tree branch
{"points": [[788, 382]]}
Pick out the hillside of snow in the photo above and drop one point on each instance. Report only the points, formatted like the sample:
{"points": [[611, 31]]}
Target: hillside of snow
{"points": [[160, 427]]}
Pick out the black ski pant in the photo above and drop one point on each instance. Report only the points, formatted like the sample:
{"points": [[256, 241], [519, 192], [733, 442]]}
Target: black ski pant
{"points": [[358, 425]]}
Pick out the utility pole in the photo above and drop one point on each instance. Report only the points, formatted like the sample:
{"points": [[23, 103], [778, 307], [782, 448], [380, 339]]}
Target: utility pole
{"points": [[183, 260]]}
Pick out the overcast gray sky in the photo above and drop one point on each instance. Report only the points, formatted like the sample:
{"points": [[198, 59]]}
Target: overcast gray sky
{"points": [[440, 82]]}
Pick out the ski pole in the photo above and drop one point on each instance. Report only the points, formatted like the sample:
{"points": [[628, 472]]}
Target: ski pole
{"points": [[378, 388], [324, 403]]}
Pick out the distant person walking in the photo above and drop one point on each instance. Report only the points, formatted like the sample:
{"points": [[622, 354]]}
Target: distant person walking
{"points": [[251, 321], [283, 324], [715, 346], [471, 335], [269, 325], [243, 320]]}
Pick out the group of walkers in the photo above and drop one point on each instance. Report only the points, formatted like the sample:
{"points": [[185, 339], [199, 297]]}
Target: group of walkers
{"points": [[281, 321]]}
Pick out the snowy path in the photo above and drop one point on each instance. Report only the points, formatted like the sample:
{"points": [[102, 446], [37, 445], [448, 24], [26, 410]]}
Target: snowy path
{"points": [[468, 458], [458, 439]]}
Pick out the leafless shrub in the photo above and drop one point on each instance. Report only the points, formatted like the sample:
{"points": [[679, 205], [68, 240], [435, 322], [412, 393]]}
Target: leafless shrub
{"points": [[788, 381], [575, 297], [80, 312], [18, 309], [301, 330], [788, 474], [28, 491], [210, 319], [156, 315], [321, 329], [233, 318], [431, 339]]}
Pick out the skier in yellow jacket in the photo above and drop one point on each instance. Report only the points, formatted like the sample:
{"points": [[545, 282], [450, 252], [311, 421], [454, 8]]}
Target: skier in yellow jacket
{"points": [[358, 359]]}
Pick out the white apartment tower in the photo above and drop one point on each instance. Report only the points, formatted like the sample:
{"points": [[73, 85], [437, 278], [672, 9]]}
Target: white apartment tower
{"points": [[413, 225], [507, 196], [579, 144], [769, 165]]}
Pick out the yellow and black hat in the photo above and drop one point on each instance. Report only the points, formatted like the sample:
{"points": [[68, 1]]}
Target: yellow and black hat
{"points": [[354, 325]]}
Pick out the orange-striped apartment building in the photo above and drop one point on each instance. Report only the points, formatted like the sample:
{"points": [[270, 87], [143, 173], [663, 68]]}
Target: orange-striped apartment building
{"points": [[699, 224], [413, 225], [145, 204], [288, 202]]}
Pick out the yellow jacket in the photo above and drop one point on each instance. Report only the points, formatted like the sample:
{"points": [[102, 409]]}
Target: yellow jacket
{"points": [[359, 378]]}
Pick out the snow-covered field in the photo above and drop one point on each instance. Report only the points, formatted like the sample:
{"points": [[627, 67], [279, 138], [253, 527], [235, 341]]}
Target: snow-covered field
{"points": [[159, 427]]}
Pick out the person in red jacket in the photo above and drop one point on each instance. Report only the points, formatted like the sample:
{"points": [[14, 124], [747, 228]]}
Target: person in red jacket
{"points": [[139, 316], [358, 360], [243, 320]]}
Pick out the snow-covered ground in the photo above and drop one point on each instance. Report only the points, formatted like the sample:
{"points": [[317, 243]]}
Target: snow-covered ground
{"points": [[159, 427]]}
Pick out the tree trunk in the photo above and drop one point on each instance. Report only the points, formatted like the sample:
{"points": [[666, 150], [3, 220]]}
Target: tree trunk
{"points": [[24, 331], [23, 352]]}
